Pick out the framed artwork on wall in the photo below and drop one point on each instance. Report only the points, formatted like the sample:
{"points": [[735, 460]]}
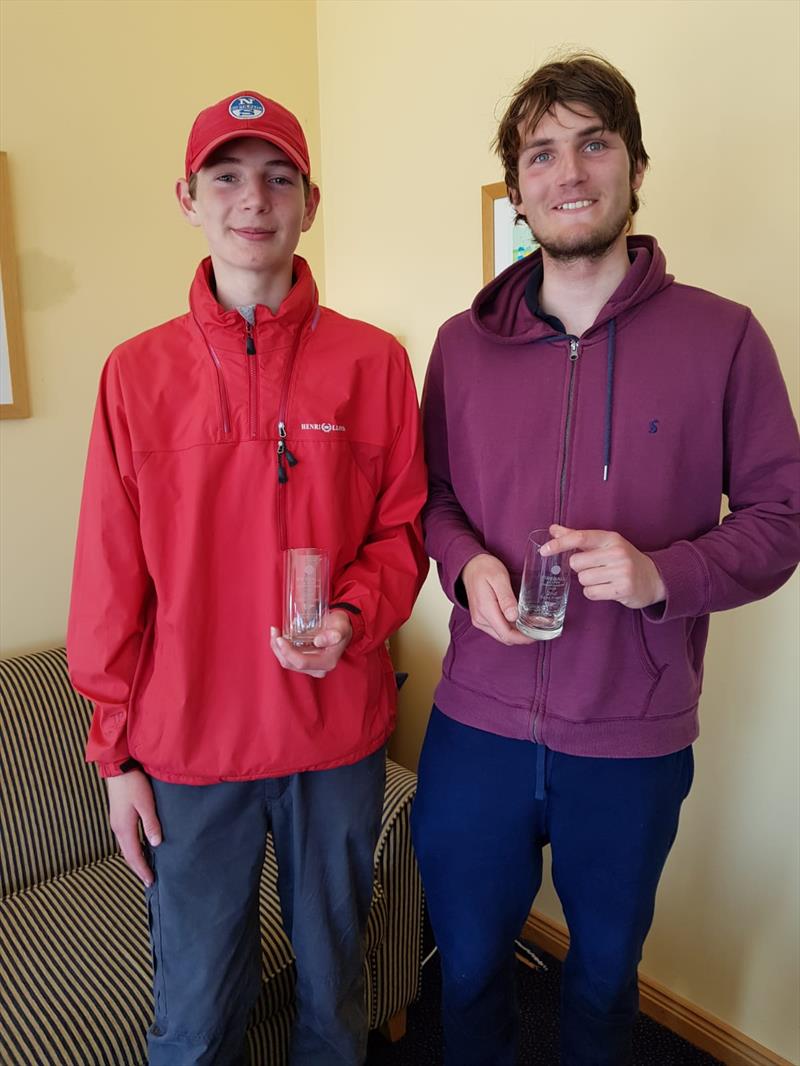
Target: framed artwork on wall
{"points": [[13, 379], [504, 240]]}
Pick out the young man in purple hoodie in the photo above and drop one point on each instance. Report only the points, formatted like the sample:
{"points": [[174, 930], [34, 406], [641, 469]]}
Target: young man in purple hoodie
{"points": [[586, 391]]}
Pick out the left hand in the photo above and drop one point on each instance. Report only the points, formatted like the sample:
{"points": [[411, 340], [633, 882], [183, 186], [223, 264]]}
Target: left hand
{"points": [[608, 566], [329, 646]]}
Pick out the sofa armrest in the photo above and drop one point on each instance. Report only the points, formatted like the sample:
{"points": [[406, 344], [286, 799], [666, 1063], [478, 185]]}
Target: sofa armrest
{"points": [[54, 818]]}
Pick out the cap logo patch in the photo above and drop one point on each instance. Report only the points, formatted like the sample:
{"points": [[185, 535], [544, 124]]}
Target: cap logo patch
{"points": [[246, 107]]}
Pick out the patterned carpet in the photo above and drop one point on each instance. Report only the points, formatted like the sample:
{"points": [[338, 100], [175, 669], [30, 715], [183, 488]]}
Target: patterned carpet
{"points": [[538, 998]]}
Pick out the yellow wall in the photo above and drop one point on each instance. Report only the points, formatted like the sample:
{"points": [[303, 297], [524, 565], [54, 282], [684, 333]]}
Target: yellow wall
{"points": [[97, 101], [409, 94]]}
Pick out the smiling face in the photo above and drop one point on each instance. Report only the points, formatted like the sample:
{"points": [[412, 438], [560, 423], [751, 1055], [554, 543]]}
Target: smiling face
{"points": [[252, 205], [575, 184]]}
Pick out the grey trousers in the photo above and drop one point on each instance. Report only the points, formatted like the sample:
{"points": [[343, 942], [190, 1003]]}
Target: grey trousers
{"points": [[204, 911]]}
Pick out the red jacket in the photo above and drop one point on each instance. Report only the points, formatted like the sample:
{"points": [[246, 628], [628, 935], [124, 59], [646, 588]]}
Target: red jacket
{"points": [[187, 504]]}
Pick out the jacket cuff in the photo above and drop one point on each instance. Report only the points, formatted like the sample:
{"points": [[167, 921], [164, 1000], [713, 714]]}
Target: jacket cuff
{"points": [[110, 769], [357, 623], [458, 554], [686, 579]]}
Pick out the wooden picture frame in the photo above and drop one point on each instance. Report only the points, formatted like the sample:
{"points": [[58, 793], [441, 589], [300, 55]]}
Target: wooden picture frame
{"points": [[503, 241], [13, 377]]}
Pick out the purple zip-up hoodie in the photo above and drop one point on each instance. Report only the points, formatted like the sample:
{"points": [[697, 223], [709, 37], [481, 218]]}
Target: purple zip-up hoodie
{"points": [[671, 399]]}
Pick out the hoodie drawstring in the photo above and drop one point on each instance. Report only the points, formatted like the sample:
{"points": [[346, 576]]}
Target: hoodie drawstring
{"points": [[611, 351]]}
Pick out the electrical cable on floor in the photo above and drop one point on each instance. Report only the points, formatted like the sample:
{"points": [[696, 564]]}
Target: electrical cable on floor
{"points": [[429, 956], [528, 957], [522, 952]]}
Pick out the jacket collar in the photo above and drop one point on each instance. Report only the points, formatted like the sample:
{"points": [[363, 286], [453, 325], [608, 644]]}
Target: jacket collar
{"points": [[226, 330]]}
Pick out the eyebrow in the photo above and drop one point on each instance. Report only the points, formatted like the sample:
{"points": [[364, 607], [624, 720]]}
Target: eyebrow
{"points": [[543, 142]]}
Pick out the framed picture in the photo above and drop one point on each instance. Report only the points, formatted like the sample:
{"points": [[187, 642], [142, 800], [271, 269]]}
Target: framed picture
{"points": [[13, 379], [504, 240]]}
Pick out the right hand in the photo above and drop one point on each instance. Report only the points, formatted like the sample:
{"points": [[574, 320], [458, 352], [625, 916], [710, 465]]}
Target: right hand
{"points": [[492, 603], [130, 800]]}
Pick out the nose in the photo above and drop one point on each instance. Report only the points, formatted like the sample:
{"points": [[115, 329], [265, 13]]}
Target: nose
{"points": [[572, 168], [256, 195]]}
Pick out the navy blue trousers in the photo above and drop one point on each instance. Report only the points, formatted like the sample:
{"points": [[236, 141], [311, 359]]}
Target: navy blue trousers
{"points": [[485, 808], [205, 920]]}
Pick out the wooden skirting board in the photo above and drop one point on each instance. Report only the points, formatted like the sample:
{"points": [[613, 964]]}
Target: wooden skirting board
{"points": [[668, 1009]]}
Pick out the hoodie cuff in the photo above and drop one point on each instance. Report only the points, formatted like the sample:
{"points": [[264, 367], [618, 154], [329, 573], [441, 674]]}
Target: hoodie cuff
{"points": [[458, 554], [686, 579]]}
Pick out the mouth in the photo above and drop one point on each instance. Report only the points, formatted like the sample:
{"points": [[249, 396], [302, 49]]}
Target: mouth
{"points": [[254, 234], [574, 205]]}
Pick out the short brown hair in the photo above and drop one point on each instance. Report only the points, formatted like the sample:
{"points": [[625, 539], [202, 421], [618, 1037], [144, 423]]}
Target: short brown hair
{"points": [[578, 78]]}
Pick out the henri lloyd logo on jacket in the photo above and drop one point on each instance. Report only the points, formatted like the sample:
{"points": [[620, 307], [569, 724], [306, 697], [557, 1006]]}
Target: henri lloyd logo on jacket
{"points": [[323, 427]]}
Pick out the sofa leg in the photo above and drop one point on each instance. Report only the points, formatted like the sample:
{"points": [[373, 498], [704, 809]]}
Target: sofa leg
{"points": [[394, 1028]]}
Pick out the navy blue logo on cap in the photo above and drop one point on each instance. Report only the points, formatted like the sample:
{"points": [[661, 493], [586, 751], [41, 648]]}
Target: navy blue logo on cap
{"points": [[246, 107]]}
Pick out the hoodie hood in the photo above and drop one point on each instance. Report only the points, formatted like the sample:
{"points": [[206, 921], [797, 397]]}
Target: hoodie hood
{"points": [[499, 310]]}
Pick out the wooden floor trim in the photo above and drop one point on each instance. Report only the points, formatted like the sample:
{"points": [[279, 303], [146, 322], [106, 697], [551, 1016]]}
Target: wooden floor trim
{"points": [[692, 1023]]}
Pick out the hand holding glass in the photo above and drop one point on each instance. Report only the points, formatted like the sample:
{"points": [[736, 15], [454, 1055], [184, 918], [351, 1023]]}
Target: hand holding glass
{"points": [[306, 578], [544, 590]]}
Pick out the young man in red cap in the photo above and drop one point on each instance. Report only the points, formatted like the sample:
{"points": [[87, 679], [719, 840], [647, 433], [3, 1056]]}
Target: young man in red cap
{"points": [[256, 422]]}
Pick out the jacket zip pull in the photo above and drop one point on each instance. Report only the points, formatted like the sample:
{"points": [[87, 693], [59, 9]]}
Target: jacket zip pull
{"points": [[283, 477], [573, 350], [250, 344], [290, 459]]}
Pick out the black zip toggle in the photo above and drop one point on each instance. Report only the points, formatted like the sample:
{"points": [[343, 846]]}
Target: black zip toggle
{"points": [[251, 344], [283, 451], [283, 477]]}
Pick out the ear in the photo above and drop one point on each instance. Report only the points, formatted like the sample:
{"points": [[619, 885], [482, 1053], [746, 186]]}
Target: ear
{"points": [[638, 177], [514, 196], [312, 203], [186, 203]]}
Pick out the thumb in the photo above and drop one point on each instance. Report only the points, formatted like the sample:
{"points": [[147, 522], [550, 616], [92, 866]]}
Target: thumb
{"points": [[327, 638], [506, 599], [151, 825]]}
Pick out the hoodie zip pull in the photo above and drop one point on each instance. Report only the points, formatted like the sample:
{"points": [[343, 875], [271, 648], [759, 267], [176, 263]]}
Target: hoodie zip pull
{"points": [[250, 345]]}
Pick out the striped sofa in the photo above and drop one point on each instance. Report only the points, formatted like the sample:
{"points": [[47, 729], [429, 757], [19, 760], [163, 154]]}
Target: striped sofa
{"points": [[73, 923]]}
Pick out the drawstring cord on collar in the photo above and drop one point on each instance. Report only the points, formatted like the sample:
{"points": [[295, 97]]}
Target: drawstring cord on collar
{"points": [[610, 355]]}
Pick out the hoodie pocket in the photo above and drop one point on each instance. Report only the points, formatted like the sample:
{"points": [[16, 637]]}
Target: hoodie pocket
{"points": [[478, 662], [611, 665]]}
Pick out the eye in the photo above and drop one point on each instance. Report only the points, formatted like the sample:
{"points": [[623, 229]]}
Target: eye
{"points": [[225, 179], [595, 146], [280, 180], [541, 157]]}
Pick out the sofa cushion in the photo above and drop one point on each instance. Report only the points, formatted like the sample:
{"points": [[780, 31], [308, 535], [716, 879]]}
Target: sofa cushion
{"points": [[79, 989]]}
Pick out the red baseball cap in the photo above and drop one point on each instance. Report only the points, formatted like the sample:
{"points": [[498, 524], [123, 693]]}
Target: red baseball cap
{"points": [[246, 115]]}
